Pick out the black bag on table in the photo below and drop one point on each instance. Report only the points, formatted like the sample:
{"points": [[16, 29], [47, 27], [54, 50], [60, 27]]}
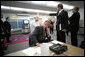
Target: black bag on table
{"points": [[58, 48]]}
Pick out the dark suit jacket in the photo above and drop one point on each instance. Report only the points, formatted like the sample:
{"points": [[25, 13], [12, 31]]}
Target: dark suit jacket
{"points": [[74, 21], [38, 34], [8, 27], [3, 29], [62, 19]]}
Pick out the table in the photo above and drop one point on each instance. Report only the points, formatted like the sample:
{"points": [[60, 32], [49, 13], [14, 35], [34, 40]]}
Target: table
{"points": [[72, 51]]}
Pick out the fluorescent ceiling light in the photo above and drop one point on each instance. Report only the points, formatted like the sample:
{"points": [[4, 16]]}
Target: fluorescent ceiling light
{"points": [[39, 2], [26, 10], [17, 9], [5, 7], [23, 14]]}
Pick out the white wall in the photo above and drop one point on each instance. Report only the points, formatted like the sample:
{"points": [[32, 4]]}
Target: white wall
{"points": [[81, 17], [81, 13]]}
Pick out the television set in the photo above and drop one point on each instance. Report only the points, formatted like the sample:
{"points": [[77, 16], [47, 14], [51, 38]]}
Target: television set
{"points": [[26, 21]]}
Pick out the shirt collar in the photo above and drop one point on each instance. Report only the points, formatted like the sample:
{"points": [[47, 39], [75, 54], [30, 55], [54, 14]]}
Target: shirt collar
{"points": [[60, 10]]}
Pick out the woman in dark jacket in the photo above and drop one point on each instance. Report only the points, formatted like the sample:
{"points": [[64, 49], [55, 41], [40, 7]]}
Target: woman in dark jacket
{"points": [[8, 29], [74, 25]]}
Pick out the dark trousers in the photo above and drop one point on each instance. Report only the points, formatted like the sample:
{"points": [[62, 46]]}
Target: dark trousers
{"points": [[74, 40], [2, 46], [1, 49], [61, 36], [51, 30], [2, 42], [7, 37]]}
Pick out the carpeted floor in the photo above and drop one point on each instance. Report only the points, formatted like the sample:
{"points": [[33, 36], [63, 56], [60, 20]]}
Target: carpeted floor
{"points": [[17, 39]]}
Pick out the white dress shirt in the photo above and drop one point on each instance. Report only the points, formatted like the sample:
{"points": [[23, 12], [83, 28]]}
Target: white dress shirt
{"points": [[60, 11], [58, 14]]}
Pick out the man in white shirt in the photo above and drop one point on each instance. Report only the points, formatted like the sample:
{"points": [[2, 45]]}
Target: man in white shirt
{"points": [[35, 23]]}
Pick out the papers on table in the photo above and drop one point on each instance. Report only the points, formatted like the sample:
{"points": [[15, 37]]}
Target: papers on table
{"points": [[45, 49], [29, 51], [56, 42], [38, 50], [32, 51], [50, 44]]}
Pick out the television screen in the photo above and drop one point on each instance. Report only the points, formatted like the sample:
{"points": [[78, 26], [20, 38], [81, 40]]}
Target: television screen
{"points": [[26, 22]]}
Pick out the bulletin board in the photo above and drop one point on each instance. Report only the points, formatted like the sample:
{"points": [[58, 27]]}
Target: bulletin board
{"points": [[16, 23]]}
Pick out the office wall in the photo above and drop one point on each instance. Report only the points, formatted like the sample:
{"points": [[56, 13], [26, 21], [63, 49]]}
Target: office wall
{"points": [[81, 13], [81, 17], [13, 15], [17, 20]]}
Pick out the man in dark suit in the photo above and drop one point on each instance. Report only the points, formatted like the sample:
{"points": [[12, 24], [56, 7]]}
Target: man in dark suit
{"points": [[41, 34], [8, 29], [2, 36], [74, 25], [62, 23]]}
